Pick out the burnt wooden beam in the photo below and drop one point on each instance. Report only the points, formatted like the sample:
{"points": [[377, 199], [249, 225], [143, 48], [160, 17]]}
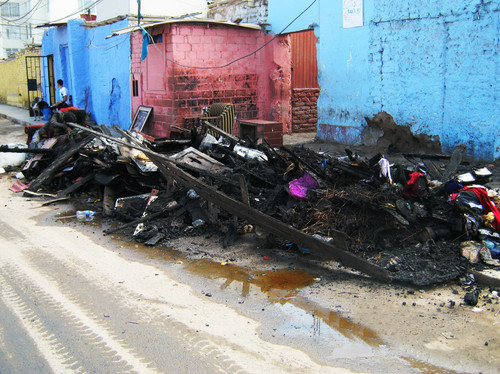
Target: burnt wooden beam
{"points": [[244, 190], [52, 169], [221, 132], [299, 159], [455, 161], [431, 156], [135, 222], [7, 149], [76, 185]]}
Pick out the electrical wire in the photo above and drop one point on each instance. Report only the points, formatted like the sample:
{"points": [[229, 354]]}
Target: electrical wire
{"points": [[5, 2], [20, 18], [238, 59]]}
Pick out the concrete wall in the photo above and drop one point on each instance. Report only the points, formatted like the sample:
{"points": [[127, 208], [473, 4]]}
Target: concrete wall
{"points": [[176, 92], [253, 11], [434, 66], [95, 70], [13, 81]]}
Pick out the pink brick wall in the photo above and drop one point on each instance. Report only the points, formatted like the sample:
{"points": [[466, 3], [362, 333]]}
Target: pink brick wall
{"points": [[248, 83]]}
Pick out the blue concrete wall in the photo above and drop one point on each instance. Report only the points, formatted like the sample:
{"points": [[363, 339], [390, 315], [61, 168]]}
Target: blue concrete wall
{"points": [[433, 65], [282, 12], [95, 70]]}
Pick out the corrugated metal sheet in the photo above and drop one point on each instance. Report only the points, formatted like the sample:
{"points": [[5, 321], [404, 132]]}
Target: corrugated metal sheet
{"points": [[304, 63]]}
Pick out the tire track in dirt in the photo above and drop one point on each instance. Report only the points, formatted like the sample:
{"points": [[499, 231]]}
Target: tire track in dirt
{"points": [[69, 339], [165, 329]]}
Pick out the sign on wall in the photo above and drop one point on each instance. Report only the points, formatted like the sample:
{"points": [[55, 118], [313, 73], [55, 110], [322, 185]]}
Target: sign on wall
{"points": [[352, 13]]}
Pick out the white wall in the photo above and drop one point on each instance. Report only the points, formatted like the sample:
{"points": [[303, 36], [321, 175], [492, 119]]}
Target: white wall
{"points": [[112, 8], [23, 26], [172, 8], [61, 8], [107, 9]]}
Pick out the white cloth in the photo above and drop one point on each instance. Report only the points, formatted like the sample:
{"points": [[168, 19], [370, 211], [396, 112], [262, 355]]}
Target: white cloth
{"points": [[63, 91], [385, 169]]}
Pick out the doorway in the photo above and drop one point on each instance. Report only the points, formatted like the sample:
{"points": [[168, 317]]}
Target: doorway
{"points": [[40, 78]]}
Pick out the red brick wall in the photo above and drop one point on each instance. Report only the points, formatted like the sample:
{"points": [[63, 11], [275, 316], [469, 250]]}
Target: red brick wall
{"points": [[304, 109], [186, 90]]}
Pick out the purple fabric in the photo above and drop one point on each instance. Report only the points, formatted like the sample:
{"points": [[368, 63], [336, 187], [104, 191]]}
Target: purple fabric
{"points": [[298, 187]]}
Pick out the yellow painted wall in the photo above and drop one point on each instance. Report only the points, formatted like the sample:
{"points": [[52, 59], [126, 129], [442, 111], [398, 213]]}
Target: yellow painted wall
{"points": [[13, 82]]}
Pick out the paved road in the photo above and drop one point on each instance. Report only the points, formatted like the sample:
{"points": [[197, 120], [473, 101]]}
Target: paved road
{"points": [[69, 304]]}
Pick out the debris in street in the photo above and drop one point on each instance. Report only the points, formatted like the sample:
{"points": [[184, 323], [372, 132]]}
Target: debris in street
{"points": [[416, 220]]}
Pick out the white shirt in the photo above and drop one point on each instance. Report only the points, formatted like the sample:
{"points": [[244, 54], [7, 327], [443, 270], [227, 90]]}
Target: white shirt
{"points": [[63, 91]]}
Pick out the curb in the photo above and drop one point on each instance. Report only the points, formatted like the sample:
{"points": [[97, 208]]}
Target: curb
{"points": [[15, 120]]}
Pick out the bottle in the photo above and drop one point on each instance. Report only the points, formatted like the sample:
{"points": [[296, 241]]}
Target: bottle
{"points": [[88, 215]]}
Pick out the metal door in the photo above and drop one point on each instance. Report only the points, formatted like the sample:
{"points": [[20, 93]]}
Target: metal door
{"points": [[40, 78], [304, 62]]}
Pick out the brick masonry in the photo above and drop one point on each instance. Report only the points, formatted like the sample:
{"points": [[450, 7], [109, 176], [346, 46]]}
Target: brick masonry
{"points": [[176, 88], [304, 109]]}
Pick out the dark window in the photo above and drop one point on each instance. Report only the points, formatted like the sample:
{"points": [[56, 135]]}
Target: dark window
{"points": [[135, 87], [158, 38]]}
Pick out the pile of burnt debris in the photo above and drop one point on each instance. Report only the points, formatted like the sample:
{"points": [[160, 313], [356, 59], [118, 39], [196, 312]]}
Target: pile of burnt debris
{"points": [[419, 218]]}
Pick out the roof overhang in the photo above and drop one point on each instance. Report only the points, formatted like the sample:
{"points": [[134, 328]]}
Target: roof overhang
{"points": [[51, 24], [184, 20]]}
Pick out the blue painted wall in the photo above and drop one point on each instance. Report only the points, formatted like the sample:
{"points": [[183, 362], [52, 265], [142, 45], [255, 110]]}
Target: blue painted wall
{"points": [[282, 12], [433, 65], [95, 70]]}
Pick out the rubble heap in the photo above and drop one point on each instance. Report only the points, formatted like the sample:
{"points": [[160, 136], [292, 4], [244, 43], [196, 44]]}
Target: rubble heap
{"points": [[423, 219]]}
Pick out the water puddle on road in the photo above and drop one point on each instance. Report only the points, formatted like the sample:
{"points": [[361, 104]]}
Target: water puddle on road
{"points": [[281, 287]]}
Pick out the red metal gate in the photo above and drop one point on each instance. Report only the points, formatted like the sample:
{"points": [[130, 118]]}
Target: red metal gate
{"points": [[304, 63]]}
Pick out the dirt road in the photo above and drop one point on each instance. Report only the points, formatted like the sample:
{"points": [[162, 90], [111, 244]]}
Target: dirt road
{"points": [[72, 300]]}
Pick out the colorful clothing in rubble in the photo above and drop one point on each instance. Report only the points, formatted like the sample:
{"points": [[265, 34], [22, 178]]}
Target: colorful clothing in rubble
{"points": [[298, 187], [487, 204], [416, 186]]}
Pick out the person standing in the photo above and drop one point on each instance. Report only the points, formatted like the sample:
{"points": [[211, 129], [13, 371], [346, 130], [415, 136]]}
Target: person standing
{"points": [[63, 93]]}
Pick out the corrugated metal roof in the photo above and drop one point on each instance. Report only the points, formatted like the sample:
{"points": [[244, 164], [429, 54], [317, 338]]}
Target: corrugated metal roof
{"points": [[183, 20]]}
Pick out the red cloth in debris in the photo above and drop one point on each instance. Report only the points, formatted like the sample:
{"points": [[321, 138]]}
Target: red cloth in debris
{"points": [[487, 204], [411, 188], [67, 109]]}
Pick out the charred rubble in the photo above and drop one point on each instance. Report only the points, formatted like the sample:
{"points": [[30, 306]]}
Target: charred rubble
{"points": [[415, 219]]}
